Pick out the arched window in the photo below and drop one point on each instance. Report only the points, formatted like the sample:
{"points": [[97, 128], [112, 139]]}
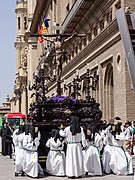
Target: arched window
{"points": [[19, 23], [108, 92], [25, 23]]}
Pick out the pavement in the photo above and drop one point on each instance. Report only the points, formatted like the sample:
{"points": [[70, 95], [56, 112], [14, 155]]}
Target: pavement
{"points": [[7, 173]]}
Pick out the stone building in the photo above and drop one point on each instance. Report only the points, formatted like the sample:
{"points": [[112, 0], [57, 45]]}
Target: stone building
{"points": [[5, 108], [19, 101], [102, 50]]}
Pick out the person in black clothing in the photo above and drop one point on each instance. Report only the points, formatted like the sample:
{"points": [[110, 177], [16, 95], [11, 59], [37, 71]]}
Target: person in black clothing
{"points": [[3, 134], [9, 140]]}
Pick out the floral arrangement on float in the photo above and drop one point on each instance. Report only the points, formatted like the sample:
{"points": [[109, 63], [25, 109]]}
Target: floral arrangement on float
{"points": [[57, 109]]}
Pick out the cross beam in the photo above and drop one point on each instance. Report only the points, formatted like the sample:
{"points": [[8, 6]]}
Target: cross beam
{"points": [[55, 35]]}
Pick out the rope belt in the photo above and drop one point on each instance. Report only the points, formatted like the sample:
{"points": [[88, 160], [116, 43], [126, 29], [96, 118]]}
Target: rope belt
{"points": [[96, 147], [55, 150], [73, 142], [30, 150]]}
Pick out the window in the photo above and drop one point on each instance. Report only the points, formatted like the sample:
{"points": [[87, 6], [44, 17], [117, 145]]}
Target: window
{"points": [[89, 36], [72, 54], [51, 5], [101, 24], [13, 121], [19, 27], [76, 50], [67, 8], [109, 16], [25, 23], [95, 31], [69, 57], [118, 5], [80, 46], [84, 42]]}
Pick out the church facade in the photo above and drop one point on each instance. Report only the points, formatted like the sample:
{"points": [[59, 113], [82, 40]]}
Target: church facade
{"points": [[101, 51]]}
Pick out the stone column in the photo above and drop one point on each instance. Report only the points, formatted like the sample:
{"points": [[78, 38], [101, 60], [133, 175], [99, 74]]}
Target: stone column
{"points": [[18, 56], [17, 103], [12, 104], [100, 86], [32, 63], [24, 100]]}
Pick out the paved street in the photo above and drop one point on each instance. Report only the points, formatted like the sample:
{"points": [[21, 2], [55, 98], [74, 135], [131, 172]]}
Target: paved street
{"points": [[7, 173]]}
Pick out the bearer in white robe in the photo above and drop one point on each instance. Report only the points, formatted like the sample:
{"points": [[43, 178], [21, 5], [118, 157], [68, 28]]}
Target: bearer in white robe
{"points": [[31, 143], [74, 156], [15, 143], [121, 161], [19, 151], [92, 162], [55, 164], [106, 157]]}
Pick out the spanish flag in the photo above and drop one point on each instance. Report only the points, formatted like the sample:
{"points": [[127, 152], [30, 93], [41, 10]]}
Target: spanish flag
{"points": [[40, 39], [44, 28], [46, 22]]}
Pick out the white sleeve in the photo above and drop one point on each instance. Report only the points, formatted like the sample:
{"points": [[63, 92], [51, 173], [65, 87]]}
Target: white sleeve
{"points": [[36, 141], [120, 137], [25, 141], [15, 140], [63, 133], [84, 142], [100, 144], [39, 135], [56, 144], [48, 143], [107, 129]]}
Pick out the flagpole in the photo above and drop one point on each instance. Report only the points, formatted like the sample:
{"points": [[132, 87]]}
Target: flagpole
{"points": [[54, 35]]}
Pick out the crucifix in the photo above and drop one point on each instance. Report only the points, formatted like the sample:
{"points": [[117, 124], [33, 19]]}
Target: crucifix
{"points": [[59, 53]]}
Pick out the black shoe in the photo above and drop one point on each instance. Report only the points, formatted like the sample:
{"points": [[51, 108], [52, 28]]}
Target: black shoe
{"points": [[22, 174], [10, 157], [72, 177], [16, 174]]}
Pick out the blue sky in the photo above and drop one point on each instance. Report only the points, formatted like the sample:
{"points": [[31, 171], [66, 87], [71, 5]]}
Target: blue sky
{"points": [[7, 50]]}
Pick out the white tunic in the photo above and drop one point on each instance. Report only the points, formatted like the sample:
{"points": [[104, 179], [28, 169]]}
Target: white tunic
{"points": [[15, 142], [121, 161], [19, 152], [74, 155], [92, 163], [31, 166], [55, 163], [106, 157]]}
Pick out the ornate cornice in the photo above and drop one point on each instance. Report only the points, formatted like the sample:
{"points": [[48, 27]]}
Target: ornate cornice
{"points": [[97, 46]]}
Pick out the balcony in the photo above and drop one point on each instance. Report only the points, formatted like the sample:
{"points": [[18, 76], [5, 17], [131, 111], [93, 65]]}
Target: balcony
{"points": [[78, 10]]}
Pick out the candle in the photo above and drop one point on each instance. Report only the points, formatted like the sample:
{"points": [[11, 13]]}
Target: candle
{"points": [[64, 81], [45, 82], [36, 72], [42, 66], [74, 75], [88, 66], [54, 72], [77, 72]]}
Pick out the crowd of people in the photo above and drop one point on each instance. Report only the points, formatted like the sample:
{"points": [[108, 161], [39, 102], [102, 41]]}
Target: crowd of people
{"points": [[95, 149], [91, 150]]}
